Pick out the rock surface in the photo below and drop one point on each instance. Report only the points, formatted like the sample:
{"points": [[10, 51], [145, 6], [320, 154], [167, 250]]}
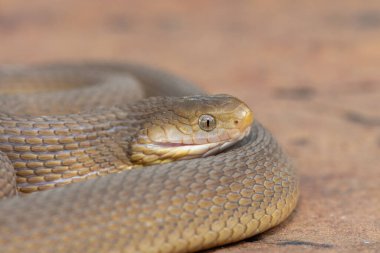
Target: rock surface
{"points": [[309, 69]]}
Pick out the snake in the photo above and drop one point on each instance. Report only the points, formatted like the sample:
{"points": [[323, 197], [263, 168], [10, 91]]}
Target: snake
{"points": [[119, 157]]}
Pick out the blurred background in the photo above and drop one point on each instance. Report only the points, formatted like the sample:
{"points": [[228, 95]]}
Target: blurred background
{"points": [[309, 69]]}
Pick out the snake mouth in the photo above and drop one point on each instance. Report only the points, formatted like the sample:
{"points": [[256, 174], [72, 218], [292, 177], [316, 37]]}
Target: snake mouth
{"points": [[167, 151], [163, 152]]}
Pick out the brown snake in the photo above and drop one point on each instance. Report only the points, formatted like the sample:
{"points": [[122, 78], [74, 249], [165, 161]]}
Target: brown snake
{"points": [[66, 123]]}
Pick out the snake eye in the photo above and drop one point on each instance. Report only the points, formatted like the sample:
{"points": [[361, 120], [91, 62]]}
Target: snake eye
{"points": [[207, 122]]}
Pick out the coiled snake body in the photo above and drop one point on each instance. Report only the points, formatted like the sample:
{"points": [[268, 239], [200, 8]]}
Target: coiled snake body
{"points": [[181, 206]]}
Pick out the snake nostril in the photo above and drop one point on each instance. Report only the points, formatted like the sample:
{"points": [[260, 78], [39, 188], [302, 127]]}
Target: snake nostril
{"points": [[236, 122]]}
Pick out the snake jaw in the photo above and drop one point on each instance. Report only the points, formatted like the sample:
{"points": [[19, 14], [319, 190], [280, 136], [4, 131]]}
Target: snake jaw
{"points": [[146, 152]]}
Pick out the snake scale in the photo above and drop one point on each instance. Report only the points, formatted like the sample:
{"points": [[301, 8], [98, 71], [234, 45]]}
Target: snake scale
{"points": [[64, 123]]}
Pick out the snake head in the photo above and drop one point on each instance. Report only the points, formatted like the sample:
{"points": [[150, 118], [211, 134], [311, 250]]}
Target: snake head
{"points": [[191, 127]]}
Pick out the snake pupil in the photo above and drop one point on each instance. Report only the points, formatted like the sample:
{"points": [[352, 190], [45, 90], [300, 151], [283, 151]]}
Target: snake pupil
{"points": [[207, 122]]}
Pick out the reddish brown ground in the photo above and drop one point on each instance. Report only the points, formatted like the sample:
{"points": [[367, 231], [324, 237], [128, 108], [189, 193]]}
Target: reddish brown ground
{"points": [[309, 69]]}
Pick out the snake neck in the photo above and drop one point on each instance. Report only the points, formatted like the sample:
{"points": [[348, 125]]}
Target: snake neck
{"points": [[49, 151]]}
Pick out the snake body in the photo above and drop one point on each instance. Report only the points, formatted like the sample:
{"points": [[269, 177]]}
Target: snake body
{"points": [[182, 206]]}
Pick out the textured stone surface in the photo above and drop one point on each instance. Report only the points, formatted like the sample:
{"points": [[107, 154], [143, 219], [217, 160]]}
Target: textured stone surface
{"points": [[310, 71]]}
